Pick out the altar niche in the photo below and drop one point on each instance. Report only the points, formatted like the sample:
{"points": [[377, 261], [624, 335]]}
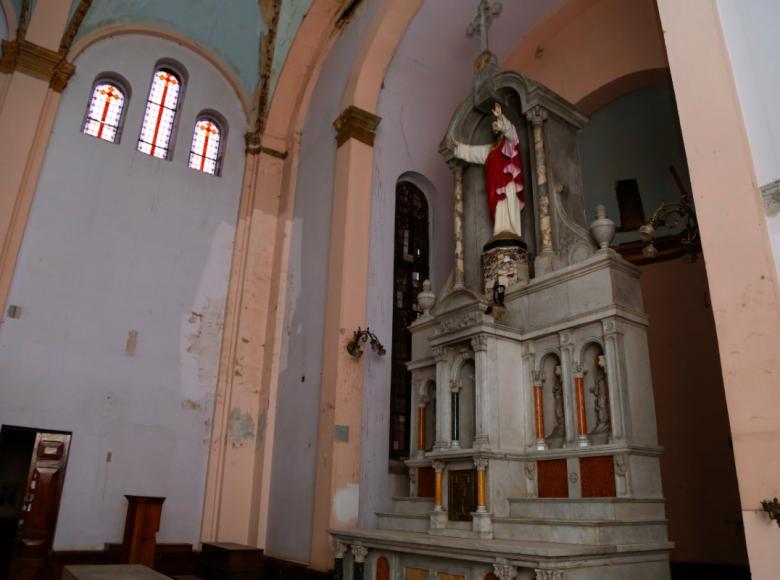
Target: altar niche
{"points": [[463, 412], [553, 420], [596, 393]]}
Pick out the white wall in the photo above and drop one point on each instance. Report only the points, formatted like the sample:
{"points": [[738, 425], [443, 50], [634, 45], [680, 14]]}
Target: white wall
{"points": [[750, 29], [116, 241]]}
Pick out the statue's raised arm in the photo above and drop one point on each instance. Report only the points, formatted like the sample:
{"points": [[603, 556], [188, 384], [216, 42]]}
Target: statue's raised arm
{"points": [[503, 174]]}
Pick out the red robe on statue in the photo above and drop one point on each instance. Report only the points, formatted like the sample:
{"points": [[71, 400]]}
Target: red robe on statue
{"points": [[503, 166]]}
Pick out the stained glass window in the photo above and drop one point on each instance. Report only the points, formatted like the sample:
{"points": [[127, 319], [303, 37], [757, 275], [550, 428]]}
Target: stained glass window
{"points": [[411, 269], [160, 114], [105, 112], [204, 153]]}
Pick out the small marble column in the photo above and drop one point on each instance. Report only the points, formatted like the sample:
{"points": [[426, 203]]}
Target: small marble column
{"points": [[567, 383], [438, 517], [579, 392], [540, 444], [359, 553], [340, 548], [455, 387], [443, 429], [482, 408], [460, 269], [504, 570], [545, 260], [481, 521]]}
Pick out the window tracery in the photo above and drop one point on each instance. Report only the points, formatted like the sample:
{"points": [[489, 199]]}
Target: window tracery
{"points": [[105, 112], [161, 108], [205, 151]]}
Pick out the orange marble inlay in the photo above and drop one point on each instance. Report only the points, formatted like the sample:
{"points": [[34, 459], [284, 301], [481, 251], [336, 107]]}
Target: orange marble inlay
{"points": [[582, 421], [539, 412]]}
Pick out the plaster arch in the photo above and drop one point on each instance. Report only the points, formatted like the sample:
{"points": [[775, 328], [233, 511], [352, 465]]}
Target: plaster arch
{"points": [[581, 45], [542, 359], [458, 363], [7, 20], [587, 343], [113, 31]]}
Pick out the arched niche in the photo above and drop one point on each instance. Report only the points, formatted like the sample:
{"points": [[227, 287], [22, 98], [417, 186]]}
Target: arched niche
{"points": [[465, 426], [596, 393], [430, 415], [519, 97], [382, 569], [552, 401]]}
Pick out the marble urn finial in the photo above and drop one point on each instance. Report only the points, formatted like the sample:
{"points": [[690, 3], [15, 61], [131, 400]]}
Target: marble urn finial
{"points": [[602, 229], [426, 299]]}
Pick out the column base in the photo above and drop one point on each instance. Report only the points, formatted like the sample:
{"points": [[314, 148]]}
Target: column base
{"points": [[482, 524], [438, 520], [540, 445], [583, 441]]}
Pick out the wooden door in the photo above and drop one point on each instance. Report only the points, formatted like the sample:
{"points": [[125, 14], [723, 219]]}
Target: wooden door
{"points": [[41, 505], [463, 494]]}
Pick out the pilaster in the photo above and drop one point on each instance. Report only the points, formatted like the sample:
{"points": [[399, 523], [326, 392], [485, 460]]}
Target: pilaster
{"points": [[341, 398]]}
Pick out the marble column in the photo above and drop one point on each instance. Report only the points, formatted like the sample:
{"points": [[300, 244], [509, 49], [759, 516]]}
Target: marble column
{"points": [[455, 387], [481, 403], [539, 411], [441, 356], [359, 553], [569, 405], [438, 517], [579, 393], [422, 403], [339, 548], [545, 258], [460, 269]]}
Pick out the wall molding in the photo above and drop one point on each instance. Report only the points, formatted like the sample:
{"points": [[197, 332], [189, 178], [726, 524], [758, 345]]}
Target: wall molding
{"points": [[356, 123], [23, 56], [771, 195]]}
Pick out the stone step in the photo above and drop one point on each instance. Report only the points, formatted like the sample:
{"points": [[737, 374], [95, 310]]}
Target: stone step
{"points": [[412, 505], [598, 533], [403, 522], [587, 509]]}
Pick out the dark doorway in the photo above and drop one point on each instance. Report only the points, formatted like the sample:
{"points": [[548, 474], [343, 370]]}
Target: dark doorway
{"points": [[32, 472]]}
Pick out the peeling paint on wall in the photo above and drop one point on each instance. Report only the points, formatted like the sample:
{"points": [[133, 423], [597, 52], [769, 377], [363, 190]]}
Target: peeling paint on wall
{"points": [[345, 503], [241, 427]]}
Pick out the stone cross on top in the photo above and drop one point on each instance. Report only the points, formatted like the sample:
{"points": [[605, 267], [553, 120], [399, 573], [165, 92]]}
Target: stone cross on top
{"points": [[486, 12]]}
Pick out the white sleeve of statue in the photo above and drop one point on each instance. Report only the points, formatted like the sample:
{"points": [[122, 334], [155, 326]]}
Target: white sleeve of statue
{"points": [[472, 153]]}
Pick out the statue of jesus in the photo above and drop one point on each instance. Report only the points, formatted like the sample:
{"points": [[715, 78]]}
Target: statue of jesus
{"points": [[503, 174]]}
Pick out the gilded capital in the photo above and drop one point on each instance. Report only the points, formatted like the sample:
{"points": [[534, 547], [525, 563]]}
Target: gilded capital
{"points": [[358, 124]]}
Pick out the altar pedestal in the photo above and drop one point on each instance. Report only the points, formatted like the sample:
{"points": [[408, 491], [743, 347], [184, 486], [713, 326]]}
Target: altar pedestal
{"points": [[141, 524]]}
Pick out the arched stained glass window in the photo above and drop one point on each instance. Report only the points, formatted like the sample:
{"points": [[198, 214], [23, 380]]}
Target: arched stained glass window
{"points": [[160, 113], [410, 270], [105, 112], [206, 146]]}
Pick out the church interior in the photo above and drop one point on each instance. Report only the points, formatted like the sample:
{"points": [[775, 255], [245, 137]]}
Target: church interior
{"points": [[389, 289]]}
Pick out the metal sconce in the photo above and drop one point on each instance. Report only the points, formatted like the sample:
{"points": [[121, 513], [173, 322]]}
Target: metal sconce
{"points": [[772, 507], [360, 336], [499, 291], [671, 215]]}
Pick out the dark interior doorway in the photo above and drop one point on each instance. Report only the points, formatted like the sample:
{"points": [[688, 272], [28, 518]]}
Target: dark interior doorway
{"points": [[32, 473]]}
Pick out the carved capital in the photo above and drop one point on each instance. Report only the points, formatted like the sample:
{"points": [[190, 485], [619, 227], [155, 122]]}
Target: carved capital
{"points": [[439, 354], [536, 116], [479, 343], [548, 574], [579, 369], [438, 466], [609, 325], [621, 468], [455, 386], [504, 570], [564, 338], [538, 378], [358, 124], [771, 194], [340, 548], [481, 463], [530, 470], [359, 552], [36, 61]]}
